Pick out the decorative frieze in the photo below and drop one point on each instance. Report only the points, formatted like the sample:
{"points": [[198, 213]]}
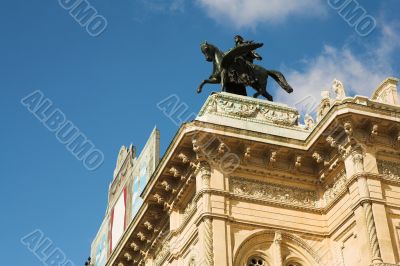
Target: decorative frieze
{"points": [[189, 209], [244, 108], [390, 169], [338, 186], [268, 191], [162, 254]]}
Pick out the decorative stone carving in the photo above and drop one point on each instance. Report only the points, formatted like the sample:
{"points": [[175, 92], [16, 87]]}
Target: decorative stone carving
{"points": [[348, 129], [183, 157], [196, 147], [175, 172], [205, 172], [142, 237], [243, 108], [208, 242], [189, 209], [324, 105], [338, 186], [222, 149], [247, 154], [387, 92], [390, 169], [148, 225], [273, 157], [297, 162], [319, 159], [309, 122], [373, 237], [279, 117], [159, 199], [338, 88], [134, 246], [162, 254], [358, 160], [374, 131], [186, 159], [127, 256], [168, 187], [268, 191], [332, 142], [277, 248]]}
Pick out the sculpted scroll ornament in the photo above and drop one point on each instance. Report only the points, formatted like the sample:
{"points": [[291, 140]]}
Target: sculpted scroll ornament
{"points": [[267, 191]]}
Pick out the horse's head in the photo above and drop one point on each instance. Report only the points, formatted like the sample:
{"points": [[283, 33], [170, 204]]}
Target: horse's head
{"points": [[208, 50]]}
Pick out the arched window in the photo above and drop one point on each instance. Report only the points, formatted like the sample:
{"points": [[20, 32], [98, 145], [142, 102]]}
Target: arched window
{"points": [[256, 261], [293, 264]]}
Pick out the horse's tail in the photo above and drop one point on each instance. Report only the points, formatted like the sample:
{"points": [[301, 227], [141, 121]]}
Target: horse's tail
{"points": [[280, 79]]}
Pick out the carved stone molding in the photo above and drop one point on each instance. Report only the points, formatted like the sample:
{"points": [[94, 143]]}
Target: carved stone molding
{"points": [[336, 188], [205, 172], [268, 191], [243, 108], [390, 169], [372, 234], [189, 209], [162, 254], [208, 242], [358, 160]]}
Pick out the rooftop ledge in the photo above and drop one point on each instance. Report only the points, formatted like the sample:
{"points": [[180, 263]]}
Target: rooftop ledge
{"points": [[262, 116], [252, 114]]}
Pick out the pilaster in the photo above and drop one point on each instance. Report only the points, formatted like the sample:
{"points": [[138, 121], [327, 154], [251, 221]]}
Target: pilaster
{"points": [[365, 201]]}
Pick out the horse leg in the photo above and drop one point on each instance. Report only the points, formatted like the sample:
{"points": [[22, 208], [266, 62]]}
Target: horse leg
{"points": [[223, 80], [268, 96], [261, 88]]}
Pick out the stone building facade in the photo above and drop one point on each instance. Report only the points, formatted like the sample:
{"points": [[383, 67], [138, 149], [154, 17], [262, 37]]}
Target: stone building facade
{"points": [[246, 184]]}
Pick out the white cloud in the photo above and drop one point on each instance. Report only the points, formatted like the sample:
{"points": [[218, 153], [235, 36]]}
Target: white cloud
{"points": [[248, 13], [360, 72]]}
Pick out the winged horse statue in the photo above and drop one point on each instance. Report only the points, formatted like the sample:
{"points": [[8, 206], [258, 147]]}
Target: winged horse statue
{"points": [[235, 70]]}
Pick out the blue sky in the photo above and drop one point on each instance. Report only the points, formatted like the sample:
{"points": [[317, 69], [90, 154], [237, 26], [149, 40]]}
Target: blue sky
{"points": [[109, 85]]}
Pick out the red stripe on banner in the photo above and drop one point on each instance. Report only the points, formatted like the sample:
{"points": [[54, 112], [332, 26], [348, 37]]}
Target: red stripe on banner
{"points": [[111, 226]]}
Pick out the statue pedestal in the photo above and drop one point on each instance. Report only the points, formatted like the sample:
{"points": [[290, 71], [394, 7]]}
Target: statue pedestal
{"points": [[252, 114]]}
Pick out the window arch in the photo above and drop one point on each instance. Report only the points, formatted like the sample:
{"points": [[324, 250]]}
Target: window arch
{"points": [[292, 263]]}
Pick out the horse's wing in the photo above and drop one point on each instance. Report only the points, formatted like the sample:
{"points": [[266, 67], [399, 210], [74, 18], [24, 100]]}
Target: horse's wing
{"points": [[230, 56]]}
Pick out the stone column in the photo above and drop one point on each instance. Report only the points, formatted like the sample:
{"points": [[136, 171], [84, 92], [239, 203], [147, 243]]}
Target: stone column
{"points": [[277, 248], [206, 228], [358, 161]]}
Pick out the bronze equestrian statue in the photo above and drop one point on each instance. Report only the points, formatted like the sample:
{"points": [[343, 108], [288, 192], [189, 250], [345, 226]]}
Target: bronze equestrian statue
{"points": [[235, 70]]}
